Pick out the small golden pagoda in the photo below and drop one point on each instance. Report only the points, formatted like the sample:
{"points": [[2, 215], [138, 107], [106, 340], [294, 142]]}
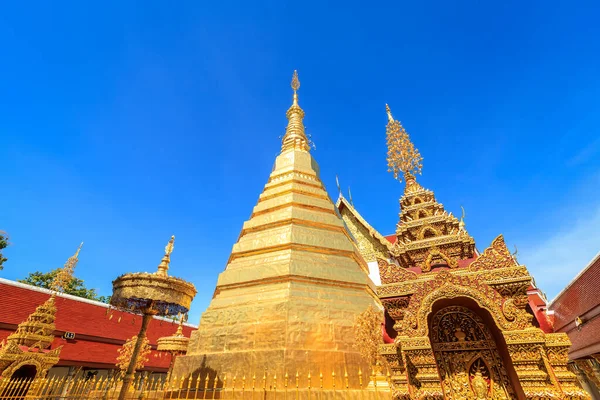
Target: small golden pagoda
{"points": [[458, 325], [293, 285], [26, 352]]}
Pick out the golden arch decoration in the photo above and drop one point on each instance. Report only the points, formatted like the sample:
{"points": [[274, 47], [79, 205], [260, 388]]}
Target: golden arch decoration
{"points": [[448, 286], [467, 356], [428, 230], [39, 370]]}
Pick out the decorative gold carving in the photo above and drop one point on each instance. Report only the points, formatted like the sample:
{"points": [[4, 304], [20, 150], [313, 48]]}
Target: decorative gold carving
{"points": [[391, 273], [435, 256], [495, 256], [467, 357], [402, 155]]}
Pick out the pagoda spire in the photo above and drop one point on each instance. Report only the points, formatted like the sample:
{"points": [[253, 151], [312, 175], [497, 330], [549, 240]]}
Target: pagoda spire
{"points": [[163, 267], [402, 155], [295, 137], [65, 275]]}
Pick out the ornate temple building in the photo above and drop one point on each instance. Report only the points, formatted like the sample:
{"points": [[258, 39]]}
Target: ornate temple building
{"points": [[293, 285], [458, 324]]}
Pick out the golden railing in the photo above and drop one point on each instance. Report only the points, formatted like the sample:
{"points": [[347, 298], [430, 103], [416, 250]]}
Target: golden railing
{"points": [[201, 386]]}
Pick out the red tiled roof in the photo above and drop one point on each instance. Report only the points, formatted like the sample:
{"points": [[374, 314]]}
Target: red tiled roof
{"points": [[391, 238], [97, 336], [580, 299]]}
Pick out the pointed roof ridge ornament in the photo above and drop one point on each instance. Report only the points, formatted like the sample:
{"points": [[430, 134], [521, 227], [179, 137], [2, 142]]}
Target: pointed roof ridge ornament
{"points": [[295, 137], [163, 267]]}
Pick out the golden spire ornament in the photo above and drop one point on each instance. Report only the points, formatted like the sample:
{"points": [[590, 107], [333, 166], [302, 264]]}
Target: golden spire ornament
{"points": [[65, 275], [163, 267], [295, 137], [402, 156]]}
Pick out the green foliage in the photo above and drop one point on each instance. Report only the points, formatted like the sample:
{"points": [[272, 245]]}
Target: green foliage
{"points": [[76, 287], [3, 245]]}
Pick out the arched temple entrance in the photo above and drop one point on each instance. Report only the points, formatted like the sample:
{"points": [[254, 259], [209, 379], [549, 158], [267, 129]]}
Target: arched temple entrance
{"points": [[467, 356]]}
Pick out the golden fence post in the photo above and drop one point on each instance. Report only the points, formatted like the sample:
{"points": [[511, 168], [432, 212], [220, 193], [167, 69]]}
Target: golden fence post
{"points": [[12, 383], [346, 378], [275, 384], [198, 379], [333, 380], [214, 386], [375, 384], [360, 382], [265, 382], [233, 386], [225, 385], [321, 385], [189, 387], [253, 383], [181, 381], [285, 384], [297, 384], [243, 385], [170, 384], [308, 384]]}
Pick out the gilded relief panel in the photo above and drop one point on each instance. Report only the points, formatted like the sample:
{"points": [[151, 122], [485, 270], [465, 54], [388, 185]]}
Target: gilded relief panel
{"points": [[467, 357]]}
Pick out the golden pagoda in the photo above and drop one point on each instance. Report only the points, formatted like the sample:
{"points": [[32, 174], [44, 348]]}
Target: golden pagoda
{"points": [[293, 285], [458, 325], [26, 352]]}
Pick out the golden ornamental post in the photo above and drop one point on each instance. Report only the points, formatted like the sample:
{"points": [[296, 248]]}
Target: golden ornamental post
{"points": [[150, 294]]}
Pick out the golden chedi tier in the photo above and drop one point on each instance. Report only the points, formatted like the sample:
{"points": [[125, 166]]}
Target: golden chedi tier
{"points": [[293, 285]]}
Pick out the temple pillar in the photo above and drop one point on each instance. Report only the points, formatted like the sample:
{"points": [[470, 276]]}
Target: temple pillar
{"points": [[590, 380], [422, 371], [557, 349], [525, 348], [399, 378]]}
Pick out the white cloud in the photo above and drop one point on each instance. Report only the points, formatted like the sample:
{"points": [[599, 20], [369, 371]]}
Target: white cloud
{"points": [[556, 260]]}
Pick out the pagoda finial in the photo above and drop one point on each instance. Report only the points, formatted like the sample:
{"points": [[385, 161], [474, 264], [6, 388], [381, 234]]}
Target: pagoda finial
{"points": [[180, 327], [389, 113], [402, 156], [163, 267], [461, 224], [65, 274], [295, 137]]}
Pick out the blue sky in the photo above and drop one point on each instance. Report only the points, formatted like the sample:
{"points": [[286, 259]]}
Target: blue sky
{"points": [[123, 123]]}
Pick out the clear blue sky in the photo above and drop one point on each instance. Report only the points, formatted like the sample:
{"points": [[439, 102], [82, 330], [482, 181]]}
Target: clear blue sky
{"points": [[123, 123]]}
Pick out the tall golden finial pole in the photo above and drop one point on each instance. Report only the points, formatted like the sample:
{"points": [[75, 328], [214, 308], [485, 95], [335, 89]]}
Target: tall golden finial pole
{"points": [[65, 274], [295, 137], [163, 267], [402, 156]]}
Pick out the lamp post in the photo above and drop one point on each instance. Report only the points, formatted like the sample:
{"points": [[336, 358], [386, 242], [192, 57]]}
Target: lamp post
{"points": [[150, 294]]}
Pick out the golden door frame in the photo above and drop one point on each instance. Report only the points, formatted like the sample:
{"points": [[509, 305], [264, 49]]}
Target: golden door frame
{"points": [[468, 356]]}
